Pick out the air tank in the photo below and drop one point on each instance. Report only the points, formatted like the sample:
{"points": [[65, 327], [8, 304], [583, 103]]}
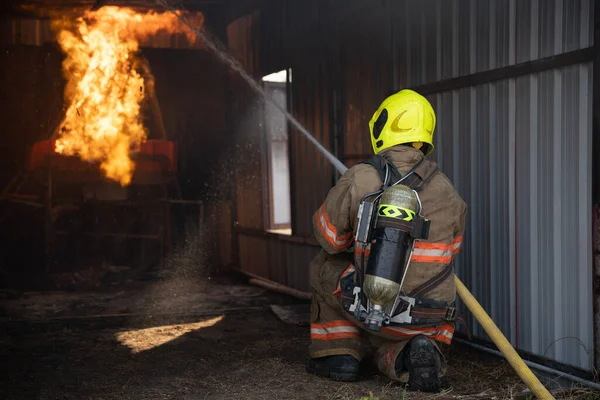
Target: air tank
{"points": [[390, 249]]}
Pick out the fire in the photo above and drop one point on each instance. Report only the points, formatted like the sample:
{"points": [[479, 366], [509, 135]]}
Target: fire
{"points": [[105, 86]]}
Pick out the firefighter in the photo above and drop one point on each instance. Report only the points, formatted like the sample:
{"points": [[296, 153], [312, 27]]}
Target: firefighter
{"points": [[402, 137]]}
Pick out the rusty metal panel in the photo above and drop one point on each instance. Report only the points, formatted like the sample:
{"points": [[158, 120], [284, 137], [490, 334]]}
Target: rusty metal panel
{"points": [[274, 34], [254, 256], [167, 40], [278, 261], [31, 32], [242, 36], [367, 74], [311, 173], [293, 32], [299, 257], [217, 217]]}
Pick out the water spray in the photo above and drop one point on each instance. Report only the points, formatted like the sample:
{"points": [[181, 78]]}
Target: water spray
{"points": [[217, 48]]}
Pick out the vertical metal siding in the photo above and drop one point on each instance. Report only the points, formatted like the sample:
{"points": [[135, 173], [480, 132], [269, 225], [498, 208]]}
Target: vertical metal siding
{"points": [[254, 255], [366, 75], [551, 114], [312, 174], [553, 213], [297, 258], [462, 37], [291, 31], [248, 131], [277, 259], [277, 263], [499, 200], [516, 151]]}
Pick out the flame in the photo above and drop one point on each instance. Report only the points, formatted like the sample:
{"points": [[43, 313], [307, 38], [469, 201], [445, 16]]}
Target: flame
{"points": [[105, 86]]}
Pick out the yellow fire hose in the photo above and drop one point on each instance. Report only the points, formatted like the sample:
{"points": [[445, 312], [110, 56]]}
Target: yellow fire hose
{"points": [[503, 345]]}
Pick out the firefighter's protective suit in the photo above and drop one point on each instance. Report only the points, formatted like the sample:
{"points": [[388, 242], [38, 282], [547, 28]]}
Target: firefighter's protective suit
{"points": [[403, 136]]}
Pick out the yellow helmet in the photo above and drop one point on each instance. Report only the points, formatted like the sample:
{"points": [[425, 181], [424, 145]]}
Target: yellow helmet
{"points": [[404, 117]]}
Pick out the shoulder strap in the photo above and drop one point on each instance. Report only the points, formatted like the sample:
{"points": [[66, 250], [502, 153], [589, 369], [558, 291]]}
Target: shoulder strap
{"points": [[423, 171], [432, 283], [423, 174], [379, 162]]}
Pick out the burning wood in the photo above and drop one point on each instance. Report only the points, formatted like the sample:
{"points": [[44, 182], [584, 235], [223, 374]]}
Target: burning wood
{"points": [[106, 85]]}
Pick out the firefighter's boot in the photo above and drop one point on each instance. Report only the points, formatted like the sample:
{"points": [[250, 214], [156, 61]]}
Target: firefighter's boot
{"points": [[422, 361], [339, 367]]}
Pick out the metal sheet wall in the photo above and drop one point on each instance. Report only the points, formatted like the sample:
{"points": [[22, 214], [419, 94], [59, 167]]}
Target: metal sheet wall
{"points": [[279, 259], [442, 39], [553, 214], [294, 31], [246, 160], [312, 174], [366, 62], [518, 151], [294, 36], [283, 259]]}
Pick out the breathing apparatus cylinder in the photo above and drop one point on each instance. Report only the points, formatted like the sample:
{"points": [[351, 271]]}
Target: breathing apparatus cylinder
{"points": [[391, 246]]}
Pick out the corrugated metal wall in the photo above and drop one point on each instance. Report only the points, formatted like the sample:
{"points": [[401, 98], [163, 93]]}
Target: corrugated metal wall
{"points": [[312, 174], [439, 40], [517, 149], [246, 160], [366, 69], [279, 258], [553, 214], [519, 152]]}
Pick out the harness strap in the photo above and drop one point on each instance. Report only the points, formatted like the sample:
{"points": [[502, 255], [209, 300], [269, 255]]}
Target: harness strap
{"points": [[420, 169], [379, 162], [432, 283], [426, 180], [445, 313], [418, 293]]}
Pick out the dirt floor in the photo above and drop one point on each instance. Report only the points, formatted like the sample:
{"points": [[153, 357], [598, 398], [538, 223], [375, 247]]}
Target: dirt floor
{"points": [[190, 338]]}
